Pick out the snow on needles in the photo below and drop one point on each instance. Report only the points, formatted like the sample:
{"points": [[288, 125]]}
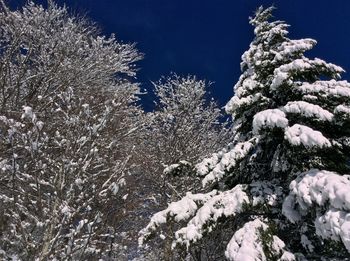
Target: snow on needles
{"points": [[308, 110], [269, 118], [302, 135], [213, 206], [246, 244], [180, 210], [227, 203], [237, 102], [283, 73], [331, 88], [292, 47], [322, 188], [342, 109], [215, 167], [335, 225]]}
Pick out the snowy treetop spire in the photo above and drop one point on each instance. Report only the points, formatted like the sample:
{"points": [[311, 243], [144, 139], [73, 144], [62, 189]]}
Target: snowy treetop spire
{"points": [[291, 140]]}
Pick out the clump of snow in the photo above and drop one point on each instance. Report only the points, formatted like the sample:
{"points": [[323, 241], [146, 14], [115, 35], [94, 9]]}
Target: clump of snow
{"points": [[283, 73], [302, 135], [342, 109], [245, 243], [277, 247], [335, 225], [237, 102], [114, 187], [179, 210], [269, 119], [65, 210], [173, 167], [345, 232], [170, 168], [246, 85], [40, 125], [208, 164], [323, 188], [227, 203], [277, 244], [326, 88], [248, 58], [308, 110], [224, 161], [287, 256], [329, 225], [28, 113], [288, 48]]}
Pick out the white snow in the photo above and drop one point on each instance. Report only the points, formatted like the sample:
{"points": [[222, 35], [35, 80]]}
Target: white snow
{"points": [[322, 188], [170, 168], [66, 210], [246, 85], [283, 73], [179, 210], [287, 256], [335, 225], [224, 161], [342, 109], [245, 244], [40, 125], [326, 88], [302, 135], [345, 232], [308, 110], [329, 225], [227, 203], [288, 48], [237, 102], [28, 113], [208, 164], [288, 209], [270, 118]]}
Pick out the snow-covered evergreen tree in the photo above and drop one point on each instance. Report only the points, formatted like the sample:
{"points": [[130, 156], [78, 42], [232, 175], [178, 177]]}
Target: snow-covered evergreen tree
{"points": [[282, 183]]}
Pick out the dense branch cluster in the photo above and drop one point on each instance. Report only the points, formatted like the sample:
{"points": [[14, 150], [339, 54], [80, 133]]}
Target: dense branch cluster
{"points": [[66, 107]]}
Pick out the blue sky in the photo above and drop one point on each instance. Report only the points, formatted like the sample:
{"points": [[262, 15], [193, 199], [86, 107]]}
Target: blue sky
{"points": [[207, 37]]}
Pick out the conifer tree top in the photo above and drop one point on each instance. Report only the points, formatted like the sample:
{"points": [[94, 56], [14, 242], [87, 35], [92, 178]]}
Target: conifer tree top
{"points": [[282, 181]]}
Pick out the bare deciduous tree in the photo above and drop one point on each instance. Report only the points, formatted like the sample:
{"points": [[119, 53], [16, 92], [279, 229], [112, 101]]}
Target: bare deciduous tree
{"points": [[185, 127], [67, 121]]}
